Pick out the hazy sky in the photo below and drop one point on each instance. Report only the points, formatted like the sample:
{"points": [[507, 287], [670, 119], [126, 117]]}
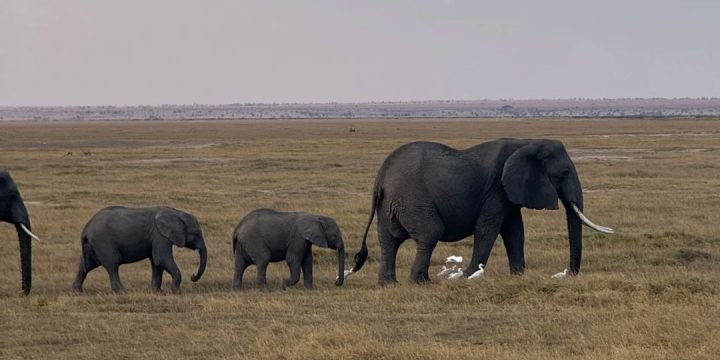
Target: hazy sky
{"points": [[182, 52]]}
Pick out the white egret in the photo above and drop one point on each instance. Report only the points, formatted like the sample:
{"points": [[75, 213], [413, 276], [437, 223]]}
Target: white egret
{"points": [[445, 271], [562, 274], [454, 259], [479, 273], [458, 274]]}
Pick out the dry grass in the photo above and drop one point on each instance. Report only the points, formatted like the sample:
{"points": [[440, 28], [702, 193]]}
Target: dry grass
{"points": [[650, 291]]}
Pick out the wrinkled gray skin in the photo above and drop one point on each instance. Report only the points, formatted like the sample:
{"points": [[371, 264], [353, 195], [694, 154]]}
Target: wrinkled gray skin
{"points": [[119, 235], [264, 236], [431, 192], [13, 211]]}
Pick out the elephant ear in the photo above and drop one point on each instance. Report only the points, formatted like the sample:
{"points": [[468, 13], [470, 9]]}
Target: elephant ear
{"points": [[310, 228], [171, 227], [525, 181]]}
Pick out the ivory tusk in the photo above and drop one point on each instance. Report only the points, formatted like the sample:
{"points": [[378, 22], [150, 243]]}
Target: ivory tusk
{"points": [[25, 229], [586, 221]]}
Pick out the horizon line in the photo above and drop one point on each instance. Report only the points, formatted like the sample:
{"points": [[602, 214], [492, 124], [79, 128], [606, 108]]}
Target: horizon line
{"points": [[250, 103]]}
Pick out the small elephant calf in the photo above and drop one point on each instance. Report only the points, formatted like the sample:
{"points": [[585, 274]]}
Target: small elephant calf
{"points": [[119, 235], [264, 236]]}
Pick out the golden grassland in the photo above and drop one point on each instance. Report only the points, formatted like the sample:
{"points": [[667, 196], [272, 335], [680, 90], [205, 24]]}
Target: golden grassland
{"points": [[650, 291]]}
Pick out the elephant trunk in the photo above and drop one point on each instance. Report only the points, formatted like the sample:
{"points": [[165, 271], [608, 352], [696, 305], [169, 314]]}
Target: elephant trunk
{"points": [[25, 257], [341, 266], [203, 262], [574, 226]]}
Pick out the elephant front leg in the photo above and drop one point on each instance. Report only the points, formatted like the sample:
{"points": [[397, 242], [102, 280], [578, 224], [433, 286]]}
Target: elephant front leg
{"points": [[307, 269], [487, 229], [157, 275], [294, 264], [172, 268], [513, 234]]}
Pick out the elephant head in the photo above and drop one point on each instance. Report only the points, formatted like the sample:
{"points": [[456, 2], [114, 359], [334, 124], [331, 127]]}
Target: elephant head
{"points": [[183, 230], [13, 210], [324, 232], [539, 173]]}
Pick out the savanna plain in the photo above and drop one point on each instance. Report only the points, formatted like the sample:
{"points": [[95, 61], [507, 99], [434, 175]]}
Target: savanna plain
{"points": [[652, 290]]}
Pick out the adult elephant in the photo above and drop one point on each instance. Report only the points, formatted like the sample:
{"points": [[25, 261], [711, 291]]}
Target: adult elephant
{"points": [[13, 210], [431, 192]]}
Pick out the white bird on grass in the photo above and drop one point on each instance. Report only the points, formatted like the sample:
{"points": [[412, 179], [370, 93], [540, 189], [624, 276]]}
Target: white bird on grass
{"points": [[478, 273], [454, 259], [445, 271], [458, 274], [562, 274], [346, 273]]}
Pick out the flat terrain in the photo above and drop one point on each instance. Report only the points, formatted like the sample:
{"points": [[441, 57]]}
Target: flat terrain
{"points": [[650, 291]]}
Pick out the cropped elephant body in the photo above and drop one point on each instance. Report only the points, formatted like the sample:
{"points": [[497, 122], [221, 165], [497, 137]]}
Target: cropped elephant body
{"points": [[264, 236], [425, 178], [431, 192], [13, 211], [119, 235]]}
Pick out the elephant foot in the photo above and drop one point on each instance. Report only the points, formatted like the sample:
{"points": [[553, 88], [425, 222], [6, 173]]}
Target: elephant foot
{"points": [[158, 291], [383, 282], [286, 283], [237, 287], [77, 290], [176, 290], [420, 279]]}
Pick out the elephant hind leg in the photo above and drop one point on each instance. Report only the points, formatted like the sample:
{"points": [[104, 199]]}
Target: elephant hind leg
{"points": [[240, 265], [262, 272], [389, 246], [113, 272], [426, 233], [513, 234], [421, 267], [87, 263]]}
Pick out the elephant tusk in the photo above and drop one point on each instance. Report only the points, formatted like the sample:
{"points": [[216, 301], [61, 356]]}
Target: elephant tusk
{"points": [[25, 229], [590, 224]]}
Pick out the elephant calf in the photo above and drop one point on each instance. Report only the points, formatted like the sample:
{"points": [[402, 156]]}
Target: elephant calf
{"points": [[265, 236], [119, 235]]}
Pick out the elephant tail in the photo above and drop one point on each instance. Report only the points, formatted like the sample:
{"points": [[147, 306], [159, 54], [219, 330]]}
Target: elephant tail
{"points": [[234, 241], [362, 255]]}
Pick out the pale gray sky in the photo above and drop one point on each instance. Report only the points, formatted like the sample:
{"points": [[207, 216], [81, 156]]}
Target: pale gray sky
{"points": [[98, 52]]}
